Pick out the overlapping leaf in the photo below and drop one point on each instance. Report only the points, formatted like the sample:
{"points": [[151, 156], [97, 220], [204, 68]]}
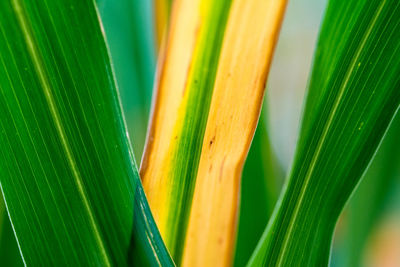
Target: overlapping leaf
{"points": [[162, 12], [185, 84], [209, 95], [67, 170]]}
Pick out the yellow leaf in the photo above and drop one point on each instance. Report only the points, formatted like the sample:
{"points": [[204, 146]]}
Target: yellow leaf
{"points": [[231, 85], [249, 42]]}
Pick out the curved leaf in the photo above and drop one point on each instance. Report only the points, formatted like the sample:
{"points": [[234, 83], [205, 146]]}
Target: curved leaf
{"points": [[352, 97]]}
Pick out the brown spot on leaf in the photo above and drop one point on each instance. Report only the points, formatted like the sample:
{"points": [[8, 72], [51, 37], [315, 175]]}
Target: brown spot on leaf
{"points": [[212, 140]]}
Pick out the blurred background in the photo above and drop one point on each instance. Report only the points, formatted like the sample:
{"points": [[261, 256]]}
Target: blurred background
{"points": [[368, 232]]}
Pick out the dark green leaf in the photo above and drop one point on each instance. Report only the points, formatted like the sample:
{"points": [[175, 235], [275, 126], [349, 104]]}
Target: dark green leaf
{"points": [[67, 170], [9, 251]]}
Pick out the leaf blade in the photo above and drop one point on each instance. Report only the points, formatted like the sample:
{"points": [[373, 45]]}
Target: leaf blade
{"points": [[348, 110], [68, 173], [9, 250], [185, 116], [249, 42], [186, 52]]}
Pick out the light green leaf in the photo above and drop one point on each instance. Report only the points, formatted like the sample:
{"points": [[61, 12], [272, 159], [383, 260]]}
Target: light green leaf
{"points": [[66, 167], [352, 97]]}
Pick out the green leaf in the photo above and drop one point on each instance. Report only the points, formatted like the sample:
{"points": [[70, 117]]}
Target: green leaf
{"points": [[9, 251], [352, 97], [67, 171]]}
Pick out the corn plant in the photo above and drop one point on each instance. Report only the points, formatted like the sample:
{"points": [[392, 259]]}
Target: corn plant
{"points": [[73, 192]]}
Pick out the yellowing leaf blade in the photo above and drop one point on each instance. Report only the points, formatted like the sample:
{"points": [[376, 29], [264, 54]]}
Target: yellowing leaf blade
{"points": [[182, 142], [249, 41]]}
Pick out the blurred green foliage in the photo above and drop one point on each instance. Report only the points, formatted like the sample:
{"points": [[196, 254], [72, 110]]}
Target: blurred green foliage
{"points": [[261, 182], [129, 29], [371, 201]]}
